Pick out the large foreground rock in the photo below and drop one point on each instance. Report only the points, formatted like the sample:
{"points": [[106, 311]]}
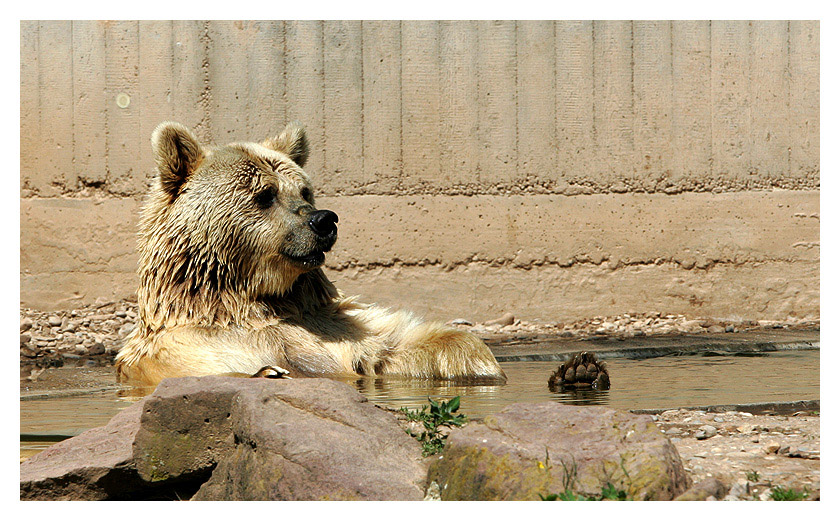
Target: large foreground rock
{"points": [[315, 434], [316, 441], [544, 448], [97, 464]]}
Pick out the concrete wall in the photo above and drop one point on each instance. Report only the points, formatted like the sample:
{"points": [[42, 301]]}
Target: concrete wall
{"points": [[552, 169]]}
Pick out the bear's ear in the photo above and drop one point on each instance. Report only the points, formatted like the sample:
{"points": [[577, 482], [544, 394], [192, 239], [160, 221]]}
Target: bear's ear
{"points": [[177, 154], [292, 142]]}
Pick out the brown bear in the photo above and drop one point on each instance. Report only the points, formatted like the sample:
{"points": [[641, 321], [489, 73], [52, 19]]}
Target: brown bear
{"points": [[231, 248]]}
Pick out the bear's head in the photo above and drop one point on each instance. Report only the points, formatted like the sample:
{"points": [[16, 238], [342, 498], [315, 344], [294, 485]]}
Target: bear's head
{"points": [[229, 225]]}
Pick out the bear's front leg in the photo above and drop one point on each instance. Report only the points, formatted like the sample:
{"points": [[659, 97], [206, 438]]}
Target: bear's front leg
{"points": [[437, 351]]}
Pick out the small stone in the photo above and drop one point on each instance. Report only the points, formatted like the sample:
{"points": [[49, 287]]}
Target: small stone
{"points": [[730, 329], [705, 432], [71, 326], [456, 322], [25, 324], [673, 431], [96, 349], [54, 321], [740, 489], [125, 330], [25, 338], [505, 320], [80, 349], [772, 448], [433, 492], [122, 314]]}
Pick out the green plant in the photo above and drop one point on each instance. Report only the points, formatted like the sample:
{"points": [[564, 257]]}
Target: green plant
{"points": [[608, 493], [787, 494], [433, 417], [753, 476]]}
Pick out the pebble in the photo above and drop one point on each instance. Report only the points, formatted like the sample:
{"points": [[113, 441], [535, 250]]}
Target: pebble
{"points": [[772, 448], [741, 488], [505, 320], [54, 321], [96, 349], [705, 432], [25, 324], [125, 330]]}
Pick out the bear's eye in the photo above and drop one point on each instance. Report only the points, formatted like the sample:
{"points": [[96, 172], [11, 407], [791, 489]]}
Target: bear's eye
{"points": [[265, 197], [306, 194]]}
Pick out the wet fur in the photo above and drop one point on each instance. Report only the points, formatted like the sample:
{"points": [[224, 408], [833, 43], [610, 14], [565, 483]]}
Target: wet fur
{"points": [[218, 293]]}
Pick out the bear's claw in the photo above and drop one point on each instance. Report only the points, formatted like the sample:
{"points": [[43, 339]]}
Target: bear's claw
{"points": [[271, 371]]}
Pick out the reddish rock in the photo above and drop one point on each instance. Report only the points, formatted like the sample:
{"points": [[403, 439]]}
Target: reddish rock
{"points": [[97, 464], [545, 448], [315, 439]]}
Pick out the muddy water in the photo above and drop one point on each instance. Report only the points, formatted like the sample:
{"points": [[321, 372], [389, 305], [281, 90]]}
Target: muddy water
{"points": [[655, 383], [665, 382]]}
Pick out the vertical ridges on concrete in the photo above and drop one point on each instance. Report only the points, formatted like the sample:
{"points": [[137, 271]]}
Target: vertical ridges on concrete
{"points": [[266, 81], [89, 103], [459, 140], [125, 175], [536, 98], [54, 170], [382, 105], [613, 71], [731, 111], [652, 102], [343, 107], [691, 136], [421, 103], [804, 99], [497, 102], [770, 100], [190, 76], [154, 97], [305, 90], [433, 107], [575, 105]]}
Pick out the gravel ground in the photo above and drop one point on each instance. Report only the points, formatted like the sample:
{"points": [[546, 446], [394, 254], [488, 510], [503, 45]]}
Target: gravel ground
{"points": [[87, 336], [749, 455], [629, 325]]}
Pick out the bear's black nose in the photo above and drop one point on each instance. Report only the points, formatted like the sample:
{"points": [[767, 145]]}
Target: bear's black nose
{"points": [[323, 222]]}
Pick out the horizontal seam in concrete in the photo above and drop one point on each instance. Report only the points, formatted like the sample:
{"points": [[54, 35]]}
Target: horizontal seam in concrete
{"points": [[510, 263], [520, 187]]}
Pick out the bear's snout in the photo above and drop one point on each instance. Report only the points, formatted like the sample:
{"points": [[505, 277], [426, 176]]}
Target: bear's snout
{"points": [[323, 222]]}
